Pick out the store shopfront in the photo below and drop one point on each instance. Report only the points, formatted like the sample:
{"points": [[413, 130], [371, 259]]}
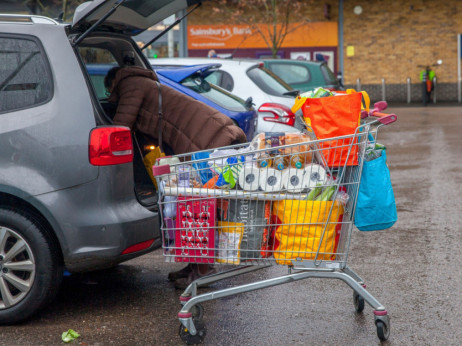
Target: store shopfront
{"points": [[307, 41]]}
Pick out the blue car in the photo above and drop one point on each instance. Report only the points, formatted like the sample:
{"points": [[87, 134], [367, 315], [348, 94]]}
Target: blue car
{"points": [[190, 81]]}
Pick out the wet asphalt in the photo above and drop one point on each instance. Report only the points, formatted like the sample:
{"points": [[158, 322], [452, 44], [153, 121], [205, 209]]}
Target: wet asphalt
{"points": [[413, 269]]}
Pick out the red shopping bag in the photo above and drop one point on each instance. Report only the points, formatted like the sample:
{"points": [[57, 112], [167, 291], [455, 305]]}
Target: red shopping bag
{"points": [[335, 116]]}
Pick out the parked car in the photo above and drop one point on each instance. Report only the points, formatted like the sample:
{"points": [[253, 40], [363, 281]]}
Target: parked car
{"points": [[246, 78], [303, 75], [69, 198], [190, 81]]}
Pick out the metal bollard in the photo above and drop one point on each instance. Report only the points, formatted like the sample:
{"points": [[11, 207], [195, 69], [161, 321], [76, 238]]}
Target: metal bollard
{"points": [[459, 94], [358, 84], [383, 90], [408, 89], [434, 89]]}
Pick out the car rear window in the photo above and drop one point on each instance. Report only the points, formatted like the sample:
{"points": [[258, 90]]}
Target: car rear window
{"points": [[291, 73], [25, 78], [214, 94], [328, 75], [268, 81]]}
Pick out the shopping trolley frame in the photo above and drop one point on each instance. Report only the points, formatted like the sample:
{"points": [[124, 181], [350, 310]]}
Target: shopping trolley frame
{"points": [[192, 329]]}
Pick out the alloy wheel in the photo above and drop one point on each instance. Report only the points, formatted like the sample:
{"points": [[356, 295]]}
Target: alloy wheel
{"points": [[17, 268]]}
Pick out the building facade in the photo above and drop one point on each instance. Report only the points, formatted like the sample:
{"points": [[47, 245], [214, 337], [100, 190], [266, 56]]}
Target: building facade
{"points": [[385, 43]]}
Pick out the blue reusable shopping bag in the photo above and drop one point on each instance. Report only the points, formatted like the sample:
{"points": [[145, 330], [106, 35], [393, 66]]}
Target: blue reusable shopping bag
{"points": [[376, 207]]}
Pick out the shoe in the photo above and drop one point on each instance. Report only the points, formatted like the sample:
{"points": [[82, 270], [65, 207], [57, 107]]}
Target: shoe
{"points": [[180, 274], [183, 283]]}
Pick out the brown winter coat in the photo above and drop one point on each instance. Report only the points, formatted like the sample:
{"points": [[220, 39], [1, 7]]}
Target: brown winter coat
{"points": [[188, 125]]}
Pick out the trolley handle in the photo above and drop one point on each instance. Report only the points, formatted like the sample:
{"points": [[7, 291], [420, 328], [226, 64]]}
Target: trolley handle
{"points": [[384, 118]]}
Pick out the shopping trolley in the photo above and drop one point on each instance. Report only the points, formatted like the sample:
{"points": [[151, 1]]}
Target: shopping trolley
{"points": [[283, 199]]}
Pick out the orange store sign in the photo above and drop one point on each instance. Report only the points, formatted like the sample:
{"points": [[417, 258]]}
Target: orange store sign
{"points": [[315, 34]]}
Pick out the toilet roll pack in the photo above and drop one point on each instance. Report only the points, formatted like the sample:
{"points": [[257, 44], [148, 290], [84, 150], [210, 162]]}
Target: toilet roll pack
{"points": [[252, 178]]}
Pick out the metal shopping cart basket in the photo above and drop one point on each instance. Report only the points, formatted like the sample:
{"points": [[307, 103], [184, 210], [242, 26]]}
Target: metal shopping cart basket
{"points": [[283, 199]]}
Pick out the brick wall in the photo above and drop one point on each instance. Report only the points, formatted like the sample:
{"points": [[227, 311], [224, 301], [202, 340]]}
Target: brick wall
{"points": [[391, 38]]}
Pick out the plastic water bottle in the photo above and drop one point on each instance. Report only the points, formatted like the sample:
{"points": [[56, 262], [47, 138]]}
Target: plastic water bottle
{"points": [[280, 162], [297, 161], [264, 160]]}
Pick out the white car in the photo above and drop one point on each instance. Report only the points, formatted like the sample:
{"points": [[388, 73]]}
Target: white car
{"points": [[246, 78]]}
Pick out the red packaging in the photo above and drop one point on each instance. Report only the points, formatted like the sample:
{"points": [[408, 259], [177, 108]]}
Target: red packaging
{"points": [[195, 233]]}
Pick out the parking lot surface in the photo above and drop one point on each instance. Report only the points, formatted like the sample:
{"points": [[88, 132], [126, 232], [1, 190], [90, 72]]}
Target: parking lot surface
{"points": [[413, 269]]}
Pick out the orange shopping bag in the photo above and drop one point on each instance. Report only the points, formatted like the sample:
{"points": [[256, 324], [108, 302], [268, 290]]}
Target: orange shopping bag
{"points": [[335, 116]]}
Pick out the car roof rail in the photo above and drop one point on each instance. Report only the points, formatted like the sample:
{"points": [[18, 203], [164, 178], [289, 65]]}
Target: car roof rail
{"points": [[26, 19]]}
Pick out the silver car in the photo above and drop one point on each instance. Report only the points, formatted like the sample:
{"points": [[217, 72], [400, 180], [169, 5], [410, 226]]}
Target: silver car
{"points": [[74, 194]]}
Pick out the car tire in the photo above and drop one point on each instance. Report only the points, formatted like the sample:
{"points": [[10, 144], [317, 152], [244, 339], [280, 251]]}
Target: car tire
{"points": [[31, 268]]}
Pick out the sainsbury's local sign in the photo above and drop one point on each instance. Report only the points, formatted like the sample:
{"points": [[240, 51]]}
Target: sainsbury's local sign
{"points": [[246, 36]]}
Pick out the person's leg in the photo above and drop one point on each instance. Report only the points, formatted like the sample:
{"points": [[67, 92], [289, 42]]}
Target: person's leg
{"points": [[424, 93], [182, 273], [198, 270]]}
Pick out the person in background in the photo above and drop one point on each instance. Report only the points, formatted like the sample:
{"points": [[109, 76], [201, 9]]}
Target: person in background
{"points": [[212, 54], [426, 77], [188, 125]]}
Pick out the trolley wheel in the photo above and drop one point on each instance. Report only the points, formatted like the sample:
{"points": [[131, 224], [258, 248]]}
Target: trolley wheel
{"points": [[383, 330], [197, 312], [193, 339], [358, 302]]}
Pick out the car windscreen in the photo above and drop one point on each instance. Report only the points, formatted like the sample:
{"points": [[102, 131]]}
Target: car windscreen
{"points": [[214, 94], [328, 75], [268, 81]]}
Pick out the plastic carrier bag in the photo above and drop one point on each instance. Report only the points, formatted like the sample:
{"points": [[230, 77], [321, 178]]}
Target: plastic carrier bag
{"points": [[301, 226], [376, 207]]}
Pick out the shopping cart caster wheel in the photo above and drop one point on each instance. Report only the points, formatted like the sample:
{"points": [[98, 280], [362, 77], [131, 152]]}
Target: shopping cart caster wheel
{"points": [[197, 312], [383, 330], [197, 339], [358, 302]]}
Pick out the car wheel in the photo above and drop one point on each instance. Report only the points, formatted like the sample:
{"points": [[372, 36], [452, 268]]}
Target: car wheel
{"points": [[30, 266]]}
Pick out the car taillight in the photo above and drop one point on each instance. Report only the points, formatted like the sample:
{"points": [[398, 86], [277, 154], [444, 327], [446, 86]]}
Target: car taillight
{"points": [[138, 247], [281, 114], [110, 145]]}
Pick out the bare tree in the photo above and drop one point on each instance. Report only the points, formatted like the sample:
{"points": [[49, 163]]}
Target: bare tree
{"points": [[275, 14]]}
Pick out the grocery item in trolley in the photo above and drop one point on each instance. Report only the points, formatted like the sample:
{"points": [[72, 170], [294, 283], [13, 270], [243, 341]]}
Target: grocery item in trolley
{"points": [[195, 230], [253, 218], [229, 242]]}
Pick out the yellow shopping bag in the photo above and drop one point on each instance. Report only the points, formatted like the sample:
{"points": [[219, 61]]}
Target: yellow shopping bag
{"points": [[301, 226], [149, 160]]}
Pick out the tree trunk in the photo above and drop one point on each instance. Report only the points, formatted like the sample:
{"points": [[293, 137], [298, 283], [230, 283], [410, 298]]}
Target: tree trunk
{"points": [[64, 10]]}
